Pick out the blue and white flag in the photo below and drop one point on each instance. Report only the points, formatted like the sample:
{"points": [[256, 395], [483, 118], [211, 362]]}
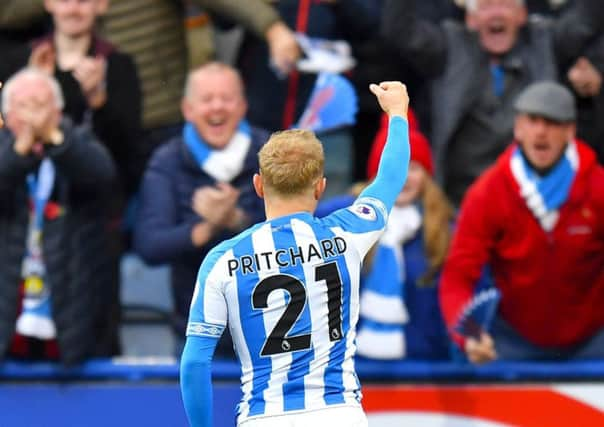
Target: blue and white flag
{"points": [[323, 55], [332, 104], [477, 315]]}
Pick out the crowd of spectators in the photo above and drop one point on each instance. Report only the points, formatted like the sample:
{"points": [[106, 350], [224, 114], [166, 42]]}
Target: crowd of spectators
{"points": [[123, 135]]}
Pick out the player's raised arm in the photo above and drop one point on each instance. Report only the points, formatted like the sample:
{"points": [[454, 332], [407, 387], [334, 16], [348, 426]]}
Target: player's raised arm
{"points": [[394, 164]]}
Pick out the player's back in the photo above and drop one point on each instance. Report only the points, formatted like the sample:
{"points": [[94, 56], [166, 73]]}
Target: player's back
{"points": [[292, 293], [288, 288]]}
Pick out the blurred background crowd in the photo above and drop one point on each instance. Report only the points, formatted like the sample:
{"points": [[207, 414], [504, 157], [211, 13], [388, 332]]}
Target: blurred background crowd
{"points": [[130, 135]]}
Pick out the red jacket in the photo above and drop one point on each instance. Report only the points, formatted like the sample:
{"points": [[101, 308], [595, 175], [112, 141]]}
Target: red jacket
{"points": [[552, 284]]}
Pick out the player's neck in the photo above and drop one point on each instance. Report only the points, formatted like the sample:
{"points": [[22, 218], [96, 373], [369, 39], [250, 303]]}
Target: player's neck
{"points": [[278, 208]]}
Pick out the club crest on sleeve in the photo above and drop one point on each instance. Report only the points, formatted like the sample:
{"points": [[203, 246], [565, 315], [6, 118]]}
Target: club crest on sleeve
{"points": [[204, 329], [363, 211]]}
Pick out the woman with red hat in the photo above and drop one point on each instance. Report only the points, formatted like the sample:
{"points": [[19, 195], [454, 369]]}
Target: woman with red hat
{"points": [[400, 316]]}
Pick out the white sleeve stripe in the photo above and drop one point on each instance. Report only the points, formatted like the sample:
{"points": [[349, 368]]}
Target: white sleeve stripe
{"points": [[361, 242], [202, 329]]}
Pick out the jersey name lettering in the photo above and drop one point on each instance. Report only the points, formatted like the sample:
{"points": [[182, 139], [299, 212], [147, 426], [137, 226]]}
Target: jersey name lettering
{"points": [[250, 264]]}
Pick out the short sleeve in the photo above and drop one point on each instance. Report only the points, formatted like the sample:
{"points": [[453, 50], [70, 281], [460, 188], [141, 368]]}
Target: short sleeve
{"points": [[208, 315], [363, 222]]}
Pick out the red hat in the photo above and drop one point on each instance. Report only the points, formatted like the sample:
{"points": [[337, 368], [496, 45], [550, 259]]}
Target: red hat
{"points": [[420, 148]]}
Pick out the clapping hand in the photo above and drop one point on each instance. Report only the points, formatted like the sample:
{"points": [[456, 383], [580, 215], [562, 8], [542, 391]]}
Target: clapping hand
{"points": [[91, 74], [216, 204], [43, 57], [38, 123], [283, 47]]}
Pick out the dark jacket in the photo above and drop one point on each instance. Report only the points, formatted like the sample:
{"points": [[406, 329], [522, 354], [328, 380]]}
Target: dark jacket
{"points": [[451, 55], [117, 124], [590, 110], [166, 218], [74, 244]]}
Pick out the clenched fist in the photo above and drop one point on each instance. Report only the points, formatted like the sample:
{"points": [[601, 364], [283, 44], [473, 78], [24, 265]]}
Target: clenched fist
{"points": [[393, 97]]}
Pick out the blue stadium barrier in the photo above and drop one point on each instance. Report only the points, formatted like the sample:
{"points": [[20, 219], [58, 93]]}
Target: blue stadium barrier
{"points": [[144, 369], [131, 392]]}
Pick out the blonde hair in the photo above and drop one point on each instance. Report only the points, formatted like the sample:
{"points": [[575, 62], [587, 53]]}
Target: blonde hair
{"points": [[438, 215], [291, 162]]}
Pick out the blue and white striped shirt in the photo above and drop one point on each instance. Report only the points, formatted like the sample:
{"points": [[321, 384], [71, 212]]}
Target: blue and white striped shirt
{"points": [[288, 288]]}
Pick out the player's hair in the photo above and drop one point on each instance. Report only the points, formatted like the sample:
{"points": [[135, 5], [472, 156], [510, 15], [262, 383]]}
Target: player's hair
{"points": [[31, 73], [291, 162], [214, 66], [471, 5]]}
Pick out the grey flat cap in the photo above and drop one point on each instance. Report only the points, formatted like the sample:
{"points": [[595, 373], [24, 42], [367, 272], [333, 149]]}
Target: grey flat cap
{"points": [[547, 99]]}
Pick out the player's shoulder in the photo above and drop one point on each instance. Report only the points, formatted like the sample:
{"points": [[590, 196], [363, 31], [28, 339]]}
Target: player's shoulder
{"points": [[369, 208], [365, 214], [225, 246], [214, 264]]}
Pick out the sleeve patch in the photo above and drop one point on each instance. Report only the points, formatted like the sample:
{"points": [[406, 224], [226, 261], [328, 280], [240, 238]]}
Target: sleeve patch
{"points": [[202, 329], [365, 208]]}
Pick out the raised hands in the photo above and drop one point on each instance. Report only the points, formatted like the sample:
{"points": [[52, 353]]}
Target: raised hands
{"points": [[585, 78], [283, 47], [393, 98], [91, 74], [35, 123], [44, 58]]}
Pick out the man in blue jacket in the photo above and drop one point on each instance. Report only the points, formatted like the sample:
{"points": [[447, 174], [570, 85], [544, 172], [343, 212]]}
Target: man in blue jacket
{"points": [[197, 188]]}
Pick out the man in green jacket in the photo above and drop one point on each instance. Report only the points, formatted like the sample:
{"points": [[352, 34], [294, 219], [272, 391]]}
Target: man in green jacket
{"points": [[152, 32]]}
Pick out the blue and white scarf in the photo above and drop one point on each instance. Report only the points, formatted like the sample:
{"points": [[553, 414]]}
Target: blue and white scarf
{"points": [[225, 164], [545, 194], [382, 304], [35, 319]]}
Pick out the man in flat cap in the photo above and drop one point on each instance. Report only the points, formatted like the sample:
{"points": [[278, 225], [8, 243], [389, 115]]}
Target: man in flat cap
{"points": [[535, 217]]}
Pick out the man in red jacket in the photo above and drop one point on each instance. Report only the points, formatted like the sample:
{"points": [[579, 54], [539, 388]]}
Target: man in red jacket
{"points": [[536, 218]]}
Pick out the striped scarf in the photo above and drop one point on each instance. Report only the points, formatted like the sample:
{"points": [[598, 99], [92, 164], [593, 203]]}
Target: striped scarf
{"points": [[225, 164], [35, 319], [382, 306], [545, 194]]}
